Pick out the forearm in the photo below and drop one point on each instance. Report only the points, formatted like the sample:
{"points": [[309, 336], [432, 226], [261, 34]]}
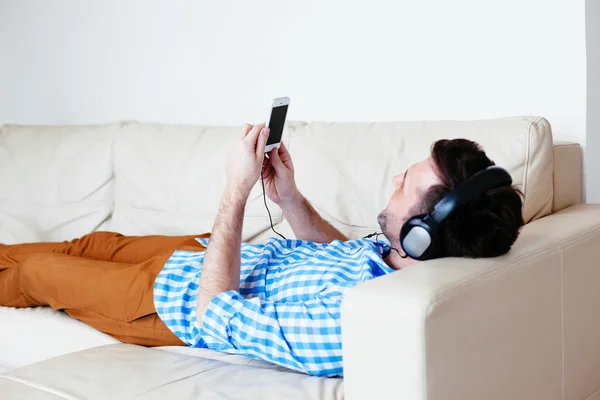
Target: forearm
{"points": [[221, 266], [307, 224]]}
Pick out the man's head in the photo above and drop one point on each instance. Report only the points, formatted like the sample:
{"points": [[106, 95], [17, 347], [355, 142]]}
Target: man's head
{"points": [[487, 226]]}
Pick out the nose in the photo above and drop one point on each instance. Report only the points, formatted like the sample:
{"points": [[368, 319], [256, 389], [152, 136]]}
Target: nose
{"points": [[397, 180]]}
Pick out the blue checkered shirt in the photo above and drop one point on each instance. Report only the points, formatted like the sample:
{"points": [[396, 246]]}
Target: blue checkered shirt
{"points": [[287, 310]]}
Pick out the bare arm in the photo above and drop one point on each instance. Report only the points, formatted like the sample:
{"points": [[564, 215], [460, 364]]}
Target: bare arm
{"points": [[221, 265], [306, 223], [281, 188]]}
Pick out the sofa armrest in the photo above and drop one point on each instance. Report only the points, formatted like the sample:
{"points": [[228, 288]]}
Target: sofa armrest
{"points": [[462, 329], [567, 176]]}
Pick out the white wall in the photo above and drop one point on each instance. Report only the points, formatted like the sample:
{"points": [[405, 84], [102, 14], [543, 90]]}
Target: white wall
{"points": [[219, 61], [592, 154]]}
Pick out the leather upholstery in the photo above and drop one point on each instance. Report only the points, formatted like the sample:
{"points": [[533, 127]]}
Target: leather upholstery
{"points": [[522, 326], [61, 182], [123, 371], [568, 175], [56, 182]]}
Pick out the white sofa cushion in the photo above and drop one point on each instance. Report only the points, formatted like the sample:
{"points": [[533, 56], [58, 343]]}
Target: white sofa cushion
{"points": [[170, 180], [126, 371], [29, 335], [346, 169], [56, 182]]}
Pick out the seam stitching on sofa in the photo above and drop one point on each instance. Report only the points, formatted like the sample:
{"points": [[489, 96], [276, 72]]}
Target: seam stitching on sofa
{"points": [[199, 214], [184, 378], [341, 167], [291, 130], [558, 144], [113, 163], [551, 211], [562, 322], [424, 332], [527, 159], [62, 204], [595, 395], [38, 387]]}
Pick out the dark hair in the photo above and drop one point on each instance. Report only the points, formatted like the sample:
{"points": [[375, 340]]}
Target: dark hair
{"points": [[488, 225]]}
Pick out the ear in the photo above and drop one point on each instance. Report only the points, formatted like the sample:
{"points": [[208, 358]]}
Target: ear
{"points": [[419, 237]]}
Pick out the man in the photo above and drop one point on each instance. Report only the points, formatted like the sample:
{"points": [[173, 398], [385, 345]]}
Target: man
{"points": [[278, 301]]}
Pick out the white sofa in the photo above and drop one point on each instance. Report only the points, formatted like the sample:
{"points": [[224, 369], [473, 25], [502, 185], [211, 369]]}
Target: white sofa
{"points": [[521, 326]]}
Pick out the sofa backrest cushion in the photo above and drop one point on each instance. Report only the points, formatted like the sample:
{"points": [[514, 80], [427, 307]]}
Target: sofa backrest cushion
{"points": [[346, 169], [170, 178], [61, 182], [56, 183]]}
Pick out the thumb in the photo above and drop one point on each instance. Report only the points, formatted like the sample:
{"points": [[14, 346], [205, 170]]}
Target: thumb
{"points": [[262, 141]]}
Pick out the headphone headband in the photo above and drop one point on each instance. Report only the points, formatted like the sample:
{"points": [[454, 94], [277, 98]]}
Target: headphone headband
{"points": [[419, 235], [480, 182]]}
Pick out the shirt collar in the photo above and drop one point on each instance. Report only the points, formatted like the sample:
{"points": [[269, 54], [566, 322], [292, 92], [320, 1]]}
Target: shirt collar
{"points": [[383, 248]]}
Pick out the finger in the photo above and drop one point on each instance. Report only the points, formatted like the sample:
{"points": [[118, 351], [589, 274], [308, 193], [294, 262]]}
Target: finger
{"points": [[284, 159], [275, 159], [266, 162], [251, 137], [245, 129], [284, 154], [268, 171], [261, 144]]}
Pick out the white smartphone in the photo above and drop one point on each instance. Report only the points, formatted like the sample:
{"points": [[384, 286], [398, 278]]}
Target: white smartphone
{"points": [[276, 120]]}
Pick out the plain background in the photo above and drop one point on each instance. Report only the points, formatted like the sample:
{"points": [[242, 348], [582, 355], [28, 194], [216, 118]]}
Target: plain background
{"points": [[592, 155], [221, 61]]}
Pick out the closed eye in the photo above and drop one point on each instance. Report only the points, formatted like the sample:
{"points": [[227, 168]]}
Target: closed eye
{"points": [[404, 178]]}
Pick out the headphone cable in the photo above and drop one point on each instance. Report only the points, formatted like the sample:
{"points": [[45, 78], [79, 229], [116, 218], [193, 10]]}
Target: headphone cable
{"points": [[262, 180], [377, 234]]}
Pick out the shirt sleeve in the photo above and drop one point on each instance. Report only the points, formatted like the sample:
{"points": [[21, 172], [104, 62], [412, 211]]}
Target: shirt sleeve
{"points": [[304, 336]]}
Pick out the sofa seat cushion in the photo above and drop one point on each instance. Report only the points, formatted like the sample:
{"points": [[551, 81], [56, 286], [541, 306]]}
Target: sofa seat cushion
{"points": [[29, 335], [126, 371]]}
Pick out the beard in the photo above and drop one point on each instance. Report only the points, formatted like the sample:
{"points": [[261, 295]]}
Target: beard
{"points": [[382, 220]]}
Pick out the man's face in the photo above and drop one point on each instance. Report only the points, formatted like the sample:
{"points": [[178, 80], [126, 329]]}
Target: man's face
{"points": [[409, 188]]}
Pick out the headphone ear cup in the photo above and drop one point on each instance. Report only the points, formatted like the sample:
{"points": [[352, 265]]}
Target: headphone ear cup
{"points": [[419, 237]]}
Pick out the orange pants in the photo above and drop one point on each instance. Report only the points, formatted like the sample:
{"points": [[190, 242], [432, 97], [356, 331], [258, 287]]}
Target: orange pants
{"points": [[104, 279]]}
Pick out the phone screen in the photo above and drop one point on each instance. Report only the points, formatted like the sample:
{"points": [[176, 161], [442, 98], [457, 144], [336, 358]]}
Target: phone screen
{"points": [[276, 124]]}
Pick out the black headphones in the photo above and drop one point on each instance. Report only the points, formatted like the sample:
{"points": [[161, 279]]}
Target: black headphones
{"points": [[419, 236]]}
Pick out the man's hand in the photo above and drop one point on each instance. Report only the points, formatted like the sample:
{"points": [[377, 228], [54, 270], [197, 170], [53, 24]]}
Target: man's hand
{"points": [[221, 266], [245, 161], [280, 187], [278, 174]]}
